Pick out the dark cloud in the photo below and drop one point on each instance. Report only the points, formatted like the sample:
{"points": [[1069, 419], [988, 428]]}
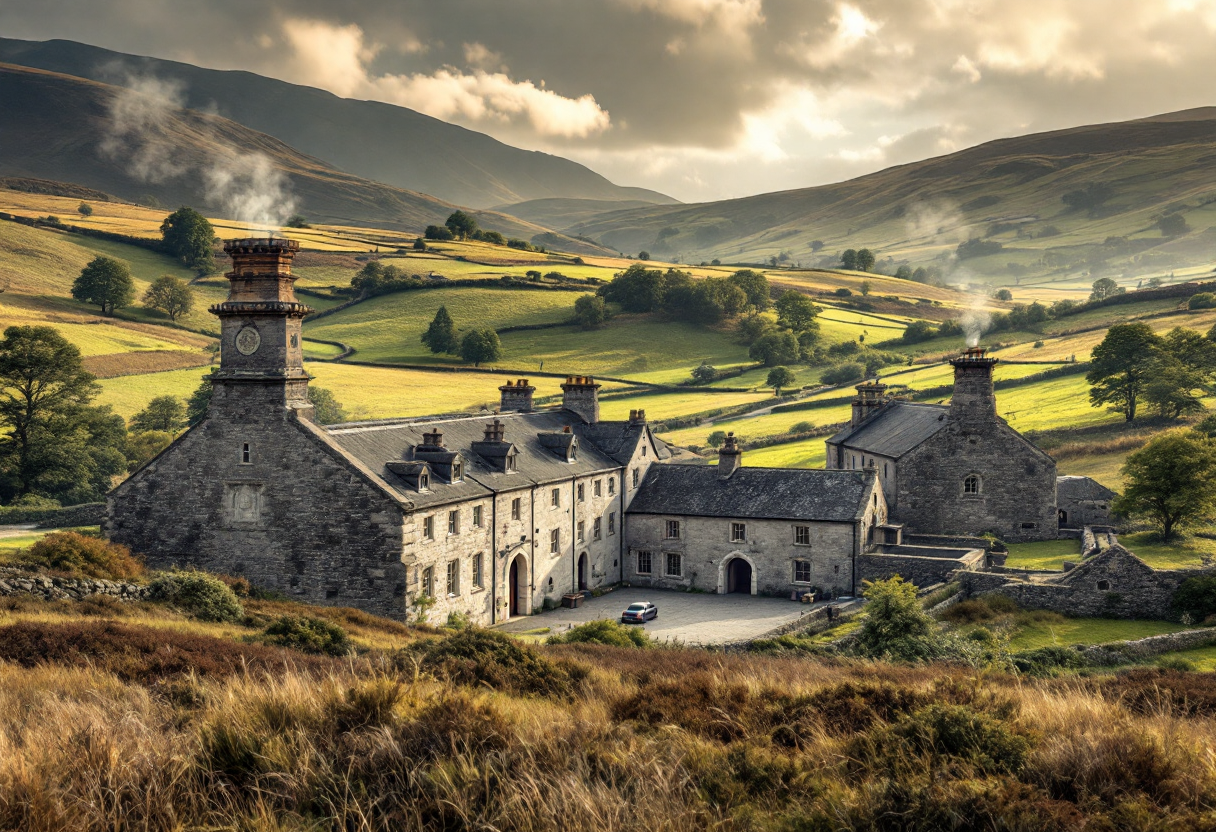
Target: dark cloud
{"points": [[701, 98]]}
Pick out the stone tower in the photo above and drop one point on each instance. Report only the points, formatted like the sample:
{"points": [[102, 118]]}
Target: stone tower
{"points": [[974, 401], [261, 354]]}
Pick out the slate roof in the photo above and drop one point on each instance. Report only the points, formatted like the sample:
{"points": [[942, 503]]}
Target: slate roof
{"points": [[896, 429], [754, 493], [1083, 488], [374, 444], [620, 439]]}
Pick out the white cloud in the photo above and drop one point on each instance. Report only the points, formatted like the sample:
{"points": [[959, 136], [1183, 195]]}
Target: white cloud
{"points": [[477, 55], [728, 15], [963, 66], [328, 56]]}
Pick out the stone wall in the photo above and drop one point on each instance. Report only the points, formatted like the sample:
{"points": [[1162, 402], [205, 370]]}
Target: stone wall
{"points": [[18, 582], [1123, 652], [920, 570], [85, 514]]}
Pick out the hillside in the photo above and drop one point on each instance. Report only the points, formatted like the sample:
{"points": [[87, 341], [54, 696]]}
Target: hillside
{"points": [[1008, 192], [389, 144]]}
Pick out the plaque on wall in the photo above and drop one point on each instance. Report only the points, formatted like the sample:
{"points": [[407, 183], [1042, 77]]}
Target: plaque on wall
{"points": [[248, 340], [243, 503]]}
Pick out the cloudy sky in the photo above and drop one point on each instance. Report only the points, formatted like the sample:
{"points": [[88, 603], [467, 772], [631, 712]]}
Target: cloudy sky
{"points": [[701, 99]]}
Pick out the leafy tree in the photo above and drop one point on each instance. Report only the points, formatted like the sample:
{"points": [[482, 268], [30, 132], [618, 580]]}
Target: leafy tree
{"points": [[704, 373], [163, 413], [816, 245], [865, 260], [85, 209], [462, 225], [481, 345], [1171, 481], [1173, 389], [141, 447], [917, 331], [716, 438], [751, 328], [199, 401], [1105, 287], [1120, 367], [171, 295], [590, 311], [775, 348], [779, 377], [327, 409], [105, 282], [865, 288], [976, 247], [796, 311], [844, 373], [754, 286], [904, 273], [848, 259], [419, 244], [1202, 300], [493, 237], [643, 255], [1003, 294], [637, 289], [297, 221], [438, 232], [440, 336], [189, 237], [896, 626], [54, 443], [1172, 225]]}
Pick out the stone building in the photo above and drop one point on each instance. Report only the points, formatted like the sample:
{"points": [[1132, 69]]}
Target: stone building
{"points": [[491, 516], [1082, 501], [951, 470], [769, 531]]}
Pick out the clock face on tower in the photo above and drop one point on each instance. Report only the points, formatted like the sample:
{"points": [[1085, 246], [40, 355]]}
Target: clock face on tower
{"points": [[248, 340]]}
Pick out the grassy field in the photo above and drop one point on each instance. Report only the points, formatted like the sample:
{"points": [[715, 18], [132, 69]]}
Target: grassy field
{"points": [[1184, 553], [1045, 554], [660, 406], [809, 453], [1105, 468], [1057, 630]]}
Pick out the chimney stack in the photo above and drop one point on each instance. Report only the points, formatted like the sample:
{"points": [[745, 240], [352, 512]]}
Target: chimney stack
{"points": [[494, 431], [516, 397], [581, 396], [433, 439], [870, 398], [729, 457], [973, 401], [637, 417]]}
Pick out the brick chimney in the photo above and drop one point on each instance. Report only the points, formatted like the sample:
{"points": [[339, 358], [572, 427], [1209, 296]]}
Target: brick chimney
{"points": [[973, 401], [494, 431], [637, 417], [581, 396], [433, 439], [729, 457], [516, 397], [870, 398]]}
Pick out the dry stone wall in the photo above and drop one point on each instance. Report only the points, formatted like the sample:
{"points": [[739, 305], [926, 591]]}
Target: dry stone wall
{"points": [[17, 582]]}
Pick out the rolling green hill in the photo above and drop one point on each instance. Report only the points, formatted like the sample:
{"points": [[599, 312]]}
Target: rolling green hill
{"points": [[390, 144]]}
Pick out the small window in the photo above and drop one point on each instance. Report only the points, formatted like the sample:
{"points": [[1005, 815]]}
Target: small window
{"points": [[581, 526], [246, 454], [457, 472], [1103, 585], [637, 477], [479, 580], [643, 450], [515, 508], [573, 451], [581, 496], [555, 541], [510, 463], [612, 485], [453, 522], [428, 528], [555, 499], [644, 563], [971, 484], [1028, 526], [597, 528], [477, 517], [802, 571], [453, 577], [612, 522], [674, 564], [597, 488], [424, 482], [738, 532], [428, 581], [672, 530], [884, 470], [802, 535]]}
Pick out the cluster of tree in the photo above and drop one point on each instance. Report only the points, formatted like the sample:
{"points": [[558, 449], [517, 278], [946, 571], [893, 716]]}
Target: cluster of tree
{"points": [[476, 346], [1090, 198], [1171, 481], [857, 260], [107, 282], [189, 237], [375, 278], [789, 340], [920, 274], [1169, 372], [976, 247], [676, 295], [462, 226]]}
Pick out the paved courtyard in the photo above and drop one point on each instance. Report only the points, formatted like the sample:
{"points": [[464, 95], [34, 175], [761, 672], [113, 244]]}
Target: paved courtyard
{"points": [[687, 617]]}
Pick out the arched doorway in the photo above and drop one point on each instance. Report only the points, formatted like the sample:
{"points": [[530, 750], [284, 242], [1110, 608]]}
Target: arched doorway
{"points": [[739, 576], [582, 571], [517, 586]]}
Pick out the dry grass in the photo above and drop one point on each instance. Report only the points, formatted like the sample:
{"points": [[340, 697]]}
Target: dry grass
{"points": [[151, 361]]}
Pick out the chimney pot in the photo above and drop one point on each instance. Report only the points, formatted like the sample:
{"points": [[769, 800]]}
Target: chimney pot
{"points": [[730, 458], [580, 395]]}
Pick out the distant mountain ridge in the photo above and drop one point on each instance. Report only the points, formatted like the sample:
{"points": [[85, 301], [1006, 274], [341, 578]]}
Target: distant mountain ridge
{"points": [[373, 140]]}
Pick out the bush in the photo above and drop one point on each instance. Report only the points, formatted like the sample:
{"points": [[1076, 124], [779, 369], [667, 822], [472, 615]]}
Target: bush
{"points": [[309, 635], [1203, 300], [604, 631], [203, 596], [1195, 597], [1045, 661], [844, 373], [81, 556], [476, 656], [952, 733]]}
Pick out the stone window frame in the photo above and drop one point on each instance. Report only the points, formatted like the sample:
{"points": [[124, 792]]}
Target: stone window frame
{"points": [[479, 575], [597, 488], [555, 498], [611, 485], [581, 529], [510, 465], [673, 565], [671, 529], [611, 523], [597, 528], [517, 508], [582, 493], [738, 532], [477, 517], [801, 532], [637, 477], [246, 453], [453, 578], [973, 491], [804, 566], [457, 472], [427, 582], [428, 527], [424, 482], [644, 562], [555, 542], [453, 522]]}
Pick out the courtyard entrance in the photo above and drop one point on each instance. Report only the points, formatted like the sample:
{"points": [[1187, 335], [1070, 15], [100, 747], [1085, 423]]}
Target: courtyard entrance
{"points": [[514, 581], [582, 571], [739, 576]]}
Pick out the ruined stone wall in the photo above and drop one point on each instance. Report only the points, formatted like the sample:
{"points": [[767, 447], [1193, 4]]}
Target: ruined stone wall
{"points": [[1018, 485], [920, 570], [297, 518]]}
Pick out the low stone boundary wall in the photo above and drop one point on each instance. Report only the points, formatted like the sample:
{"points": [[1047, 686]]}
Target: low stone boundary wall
{"points": [[919, 570], [16, 582], [85, 514], [1121, 652], [961, 595], [815, 621], [947, 541]]}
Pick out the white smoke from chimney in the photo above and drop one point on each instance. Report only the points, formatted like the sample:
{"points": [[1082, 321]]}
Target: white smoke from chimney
{"points": [[136, 134], [975, 323], [249, 188]]}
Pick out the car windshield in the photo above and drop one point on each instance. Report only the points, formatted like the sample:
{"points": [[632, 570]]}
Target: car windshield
{"points": [[636, 607]]}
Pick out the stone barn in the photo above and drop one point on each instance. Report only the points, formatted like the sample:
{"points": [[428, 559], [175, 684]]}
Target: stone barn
{"points": [[1082, 501]]}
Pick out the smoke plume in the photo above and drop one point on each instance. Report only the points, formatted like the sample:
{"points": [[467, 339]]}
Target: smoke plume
{"points": [[249, 188], [936, 221], [975, 322], [137, 133]]}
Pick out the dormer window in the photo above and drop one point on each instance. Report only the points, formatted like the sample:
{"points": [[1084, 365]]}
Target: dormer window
{"points": [[424, 482], [573, 451], [457, 472], [510, 465]]}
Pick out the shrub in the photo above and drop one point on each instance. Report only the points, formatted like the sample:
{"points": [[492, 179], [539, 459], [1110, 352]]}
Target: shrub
{"points": [[309, 635], [604, 631], [1203, 300], [205, 597], [946, 734], [1045, 661], [476, 656], [1195, 597], [843, 373], [81, 556]]}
